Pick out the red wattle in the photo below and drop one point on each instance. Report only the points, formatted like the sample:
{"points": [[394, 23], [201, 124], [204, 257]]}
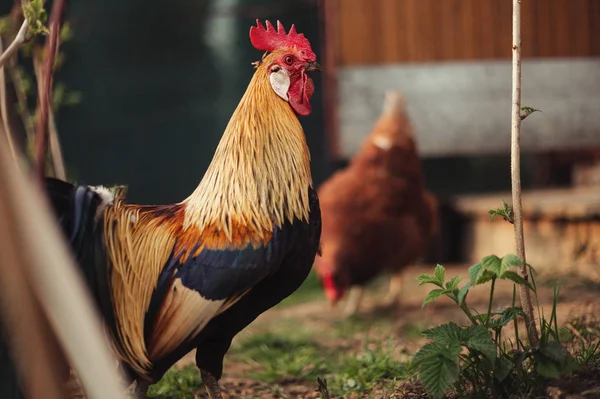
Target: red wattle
{"points": [[299, 95]]}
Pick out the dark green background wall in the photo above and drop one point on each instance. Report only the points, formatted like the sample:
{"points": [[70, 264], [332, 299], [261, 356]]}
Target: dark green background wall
{"points": [[159, 81]]}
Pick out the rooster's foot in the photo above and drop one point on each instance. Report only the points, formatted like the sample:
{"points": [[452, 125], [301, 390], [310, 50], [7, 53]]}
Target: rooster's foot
{"points": [[211, 384]]}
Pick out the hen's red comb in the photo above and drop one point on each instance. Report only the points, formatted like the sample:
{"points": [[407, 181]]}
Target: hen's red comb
{"points": [[270, 39]]}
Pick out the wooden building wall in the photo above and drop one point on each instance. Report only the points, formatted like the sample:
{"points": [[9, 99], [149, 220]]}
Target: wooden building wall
{"points": [[406, 31], [460, 107]]}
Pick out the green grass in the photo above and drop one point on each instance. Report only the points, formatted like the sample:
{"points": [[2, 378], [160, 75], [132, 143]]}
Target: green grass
{"points": [[372, 366], [277, 356], [178, 383], [300, 357]]}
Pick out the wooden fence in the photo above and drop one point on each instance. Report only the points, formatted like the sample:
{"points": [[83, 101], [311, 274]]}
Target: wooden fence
{"points": [[391, 31]]}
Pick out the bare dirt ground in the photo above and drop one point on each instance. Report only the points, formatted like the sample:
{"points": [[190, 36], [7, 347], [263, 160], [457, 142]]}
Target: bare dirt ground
{"points": [[402, 322]]}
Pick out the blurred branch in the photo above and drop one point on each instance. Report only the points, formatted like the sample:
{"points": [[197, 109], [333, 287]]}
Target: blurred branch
{"points": [[4, 109], [46, 87], [16, 43], [58, 166], [31, 239], [515, 151], [55, 150], [20, 92]]}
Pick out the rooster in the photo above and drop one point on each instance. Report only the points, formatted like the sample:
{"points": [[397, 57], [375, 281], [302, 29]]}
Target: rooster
{"points": [[172, 278], [376, 213]]}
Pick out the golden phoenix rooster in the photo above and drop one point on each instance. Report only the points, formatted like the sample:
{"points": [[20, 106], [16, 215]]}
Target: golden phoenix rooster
{"points": [[172, 278]]}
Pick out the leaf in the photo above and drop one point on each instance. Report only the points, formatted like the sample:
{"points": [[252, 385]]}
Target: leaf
{"points": [[440, 274], [546, 367], [433, 295], [514, 277], [479, 338], [502, 368], [427, 279], [492, 263], [553, 360], [485, 277], [506, 212], [462, 294], [437, 366], [555, 351], [445, 333], [438, 373], [508, 315], [511, 260], [528, 111], [475, 272], [453, 283]]}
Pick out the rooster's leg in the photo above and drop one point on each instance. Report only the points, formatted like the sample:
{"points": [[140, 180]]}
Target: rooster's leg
{"points": [[354, 298], [141, 389], [393, 294], [211, 384]]}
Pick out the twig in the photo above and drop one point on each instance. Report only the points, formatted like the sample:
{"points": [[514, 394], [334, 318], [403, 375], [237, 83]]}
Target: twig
{"points": [[55, 150], [571, 327], [58, 165], [14, 46], [322, 388], [17, 81], [44, 98], [525, 293], [4, 110], [29, 232]]}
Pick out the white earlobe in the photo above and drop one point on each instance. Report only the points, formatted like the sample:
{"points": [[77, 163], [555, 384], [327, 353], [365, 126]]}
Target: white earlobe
{"points": [[280, 82]]}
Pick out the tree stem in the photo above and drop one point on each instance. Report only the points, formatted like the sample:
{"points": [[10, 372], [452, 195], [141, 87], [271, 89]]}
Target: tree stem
{"points": [[525, 293], [46, 88], [489, 312], [14, 46]]}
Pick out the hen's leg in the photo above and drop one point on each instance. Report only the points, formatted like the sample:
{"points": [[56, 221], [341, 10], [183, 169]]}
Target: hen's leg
{"points": [[211, 384], [354, 298], [393, 295]]}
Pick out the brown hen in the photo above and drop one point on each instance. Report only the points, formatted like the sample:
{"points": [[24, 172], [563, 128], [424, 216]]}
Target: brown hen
{"points": [[377, 215]]}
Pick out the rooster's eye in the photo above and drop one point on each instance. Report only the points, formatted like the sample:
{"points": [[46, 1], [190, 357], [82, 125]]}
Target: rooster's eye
{"points": [[288, 60]]}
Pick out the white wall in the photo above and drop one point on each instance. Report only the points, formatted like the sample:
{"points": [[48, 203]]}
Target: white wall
{"points": [[464, 108]]}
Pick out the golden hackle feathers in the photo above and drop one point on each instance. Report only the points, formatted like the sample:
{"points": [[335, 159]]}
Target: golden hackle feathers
{"points": [[137, 249], [260, 174]]}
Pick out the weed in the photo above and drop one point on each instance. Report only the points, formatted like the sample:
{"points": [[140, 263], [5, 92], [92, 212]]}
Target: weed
{"points": [[582, 334], [475, 357]]}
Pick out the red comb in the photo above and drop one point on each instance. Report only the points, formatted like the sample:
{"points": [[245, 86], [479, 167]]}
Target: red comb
{"points": [[270, 39]]}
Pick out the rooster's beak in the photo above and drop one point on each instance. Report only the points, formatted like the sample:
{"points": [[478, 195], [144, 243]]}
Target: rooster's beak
{"points": [[312, 66]]}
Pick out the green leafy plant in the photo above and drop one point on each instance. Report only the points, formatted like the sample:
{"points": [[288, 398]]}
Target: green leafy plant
{"points": [[476, 357], [505, 212], [36, 16]]}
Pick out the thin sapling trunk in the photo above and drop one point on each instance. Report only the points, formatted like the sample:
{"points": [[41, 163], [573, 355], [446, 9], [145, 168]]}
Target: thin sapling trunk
{"points": [[525, 293]]}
